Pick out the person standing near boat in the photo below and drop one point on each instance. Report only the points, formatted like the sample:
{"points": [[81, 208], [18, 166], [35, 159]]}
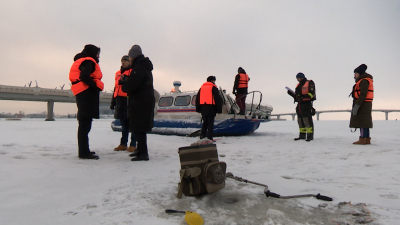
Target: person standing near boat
{"points": [[304, 95], [85, 76], [139, 87], [119, 102], [363, 94], [240, 89], [208, 103]]}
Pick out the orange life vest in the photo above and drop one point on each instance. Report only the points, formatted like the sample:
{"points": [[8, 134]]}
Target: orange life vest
{"points": [[206, 96], [370, 93], [243, 80], [77, 85], [305, 90], [118, 88]]}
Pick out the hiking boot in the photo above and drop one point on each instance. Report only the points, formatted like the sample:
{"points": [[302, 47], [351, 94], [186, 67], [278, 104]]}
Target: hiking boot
{"points": [[310, 137], [134, 153], [361, 141], [131, 149], [141, 158], [302, 136], [120, 148], [89, 157]]}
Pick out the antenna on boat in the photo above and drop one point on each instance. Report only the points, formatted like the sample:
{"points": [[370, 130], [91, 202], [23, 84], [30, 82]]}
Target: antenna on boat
{"points": [[177, 84]]}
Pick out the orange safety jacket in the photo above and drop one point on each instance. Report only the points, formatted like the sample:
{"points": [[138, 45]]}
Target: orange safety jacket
{"points": [[243, 81], [118, 88], [370, 94], [305, 90], [206, 96], [77, 85]]}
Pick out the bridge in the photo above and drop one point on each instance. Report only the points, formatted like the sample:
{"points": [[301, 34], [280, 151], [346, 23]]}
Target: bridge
{"points": [[50, 96], [317, 113]]}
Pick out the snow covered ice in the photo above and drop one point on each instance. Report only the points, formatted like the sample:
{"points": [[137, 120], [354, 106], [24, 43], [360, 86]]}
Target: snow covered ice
{"points": [[44, 182]]}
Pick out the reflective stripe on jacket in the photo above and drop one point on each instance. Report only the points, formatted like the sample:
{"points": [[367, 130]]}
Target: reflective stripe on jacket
{"points": [[118, 87], [243, 81], [206, 96], [305, 90], [77, 85], [370, 94]]}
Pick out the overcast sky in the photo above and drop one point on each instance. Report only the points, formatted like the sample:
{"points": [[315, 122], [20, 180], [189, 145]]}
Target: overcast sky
{"points": [[190, 40]]}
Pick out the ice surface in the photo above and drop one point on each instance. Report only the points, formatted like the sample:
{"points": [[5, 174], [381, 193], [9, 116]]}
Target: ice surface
{"points": [[44, 182]]}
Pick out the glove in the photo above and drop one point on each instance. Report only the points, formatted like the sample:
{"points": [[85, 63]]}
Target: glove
{"points": [[122, 80], [112, 107], [355, 109]]}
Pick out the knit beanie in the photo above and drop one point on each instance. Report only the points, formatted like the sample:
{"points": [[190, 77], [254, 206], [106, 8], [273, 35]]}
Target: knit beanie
{"points": [[125, 57], [135, 51], [211, 78], [300, 75], [360, 69]]}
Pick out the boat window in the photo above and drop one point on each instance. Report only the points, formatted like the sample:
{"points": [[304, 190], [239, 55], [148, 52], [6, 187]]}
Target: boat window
{"points": [[165, 101], [182, 100], [194, 99]]}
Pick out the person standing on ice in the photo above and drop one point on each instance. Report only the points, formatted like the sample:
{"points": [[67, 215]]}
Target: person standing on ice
{"points": [[208, 103], [119, 102], [85, 76], [240, 89], [139, 87], [363, 94], [304, 96]]}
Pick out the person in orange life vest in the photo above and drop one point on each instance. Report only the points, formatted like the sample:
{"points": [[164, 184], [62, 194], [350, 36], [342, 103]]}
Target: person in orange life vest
{"points": [[363, 94], [85, 76], [304, 96], [208, 103], [119, 102], [240, 89]]}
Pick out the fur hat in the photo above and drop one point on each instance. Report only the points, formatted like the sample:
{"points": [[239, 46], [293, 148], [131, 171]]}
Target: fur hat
{"points": [[211, 78], [300, 75], [360, 69], [135, 51]]}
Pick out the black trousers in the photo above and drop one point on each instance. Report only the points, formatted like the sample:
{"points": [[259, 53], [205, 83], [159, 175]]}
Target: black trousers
{"points": [[207, 129], [141, 138], [83, 139]]}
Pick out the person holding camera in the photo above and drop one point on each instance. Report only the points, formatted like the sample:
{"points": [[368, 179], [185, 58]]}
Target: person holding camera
{"points": [[304, 95]]}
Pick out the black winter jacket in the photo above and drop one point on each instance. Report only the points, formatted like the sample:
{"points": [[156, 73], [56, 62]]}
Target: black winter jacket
{"points": [[139, 86]]}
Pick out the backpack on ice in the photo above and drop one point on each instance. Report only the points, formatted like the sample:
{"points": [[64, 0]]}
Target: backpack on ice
{"points": [[201, 171]]}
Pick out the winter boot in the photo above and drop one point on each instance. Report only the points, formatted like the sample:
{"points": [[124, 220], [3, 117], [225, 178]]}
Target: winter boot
{"points": [[368, 140], [361, 141], [302, 136], [131, 149], [310, 136], [141, 157], [120, 148], [90, 156], [134, 153]]}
